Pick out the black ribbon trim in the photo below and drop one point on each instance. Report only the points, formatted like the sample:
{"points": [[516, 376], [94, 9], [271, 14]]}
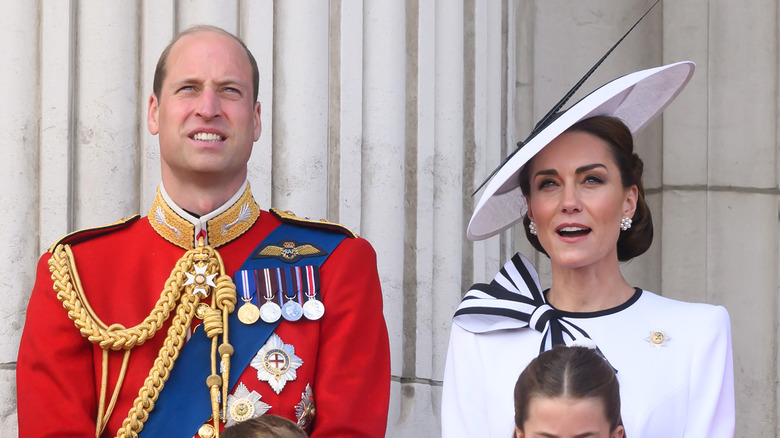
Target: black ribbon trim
{"points": [[551, 323]]}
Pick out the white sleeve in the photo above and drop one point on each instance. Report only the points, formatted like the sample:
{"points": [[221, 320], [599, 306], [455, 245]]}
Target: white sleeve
{"points": [[463, 406], [711, 398]]}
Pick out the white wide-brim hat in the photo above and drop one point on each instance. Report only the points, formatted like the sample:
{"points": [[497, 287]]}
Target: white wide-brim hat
{"points": [[636, 99]]}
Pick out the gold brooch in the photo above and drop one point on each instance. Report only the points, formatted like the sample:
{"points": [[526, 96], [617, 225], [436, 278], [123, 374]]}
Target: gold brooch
{"points": [[658, 339]]}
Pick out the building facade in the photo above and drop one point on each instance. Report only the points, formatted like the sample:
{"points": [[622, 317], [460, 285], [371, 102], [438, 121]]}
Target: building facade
{"points": [[385, 116]]}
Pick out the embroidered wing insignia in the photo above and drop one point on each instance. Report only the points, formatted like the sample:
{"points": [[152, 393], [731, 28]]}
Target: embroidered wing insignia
{"points": [[289, 251], [243, 215], [269, 251]]}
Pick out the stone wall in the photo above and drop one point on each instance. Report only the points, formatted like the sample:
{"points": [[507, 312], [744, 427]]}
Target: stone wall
{"points": [[385, 116]]}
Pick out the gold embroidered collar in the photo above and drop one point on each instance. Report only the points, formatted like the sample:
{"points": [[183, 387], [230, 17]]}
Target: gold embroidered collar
{"points": [[219, 227]]}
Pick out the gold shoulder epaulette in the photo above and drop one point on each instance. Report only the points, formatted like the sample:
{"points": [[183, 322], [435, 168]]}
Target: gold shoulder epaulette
{"points": [[290, 217], [88, 233]]}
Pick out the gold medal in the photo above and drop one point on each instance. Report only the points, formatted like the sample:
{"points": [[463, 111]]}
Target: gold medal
{"points": [[206, 431], [201, 310], [248, 313]]}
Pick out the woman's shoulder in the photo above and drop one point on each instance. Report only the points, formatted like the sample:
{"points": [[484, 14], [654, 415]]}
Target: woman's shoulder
{"points": [[684, 311]]}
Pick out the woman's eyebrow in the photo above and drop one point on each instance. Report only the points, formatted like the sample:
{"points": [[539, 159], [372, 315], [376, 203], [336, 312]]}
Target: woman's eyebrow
{"points": [[580, 169], [589, 167]]}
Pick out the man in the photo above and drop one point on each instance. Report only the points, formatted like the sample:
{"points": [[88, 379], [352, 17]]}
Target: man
{"points": [[109, 348]]}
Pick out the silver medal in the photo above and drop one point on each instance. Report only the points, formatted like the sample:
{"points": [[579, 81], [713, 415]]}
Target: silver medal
{"points": [[292, 311], [313, 309], [270, 312]]}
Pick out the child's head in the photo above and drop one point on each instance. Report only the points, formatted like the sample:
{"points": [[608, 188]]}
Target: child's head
{"points": [[265, 426], [565, 392]]}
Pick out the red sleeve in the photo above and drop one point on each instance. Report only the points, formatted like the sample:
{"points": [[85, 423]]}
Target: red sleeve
{"points": [[352, 386], [54, 371]]}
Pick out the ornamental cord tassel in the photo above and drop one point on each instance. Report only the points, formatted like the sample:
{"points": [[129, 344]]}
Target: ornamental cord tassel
{"points": [[215, 323], [178, 296]]}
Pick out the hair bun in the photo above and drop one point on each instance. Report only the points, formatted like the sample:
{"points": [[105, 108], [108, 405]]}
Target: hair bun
{"points": [[638, 165]]}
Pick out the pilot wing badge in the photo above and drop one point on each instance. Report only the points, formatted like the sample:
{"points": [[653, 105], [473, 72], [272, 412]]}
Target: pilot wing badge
{"points": [[289, 251]]}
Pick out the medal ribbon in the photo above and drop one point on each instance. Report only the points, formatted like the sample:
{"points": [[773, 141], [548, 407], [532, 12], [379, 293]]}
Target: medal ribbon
{"points": [[267, 284], [185, 385], [299, 281], [297, 284], [313, 279], [245, 286]]}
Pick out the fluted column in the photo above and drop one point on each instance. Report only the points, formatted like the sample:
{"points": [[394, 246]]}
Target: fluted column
{"points": [[256, 24], [448, 222], [300, 113], [107, 113], [19, 182], [384, 102]]}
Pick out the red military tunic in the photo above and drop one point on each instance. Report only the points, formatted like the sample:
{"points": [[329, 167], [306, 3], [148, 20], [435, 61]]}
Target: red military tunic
{"points": [[345, 354]]}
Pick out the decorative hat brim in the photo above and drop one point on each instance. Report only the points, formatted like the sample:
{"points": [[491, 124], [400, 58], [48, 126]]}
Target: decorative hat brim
{"points": [[636, 99]]}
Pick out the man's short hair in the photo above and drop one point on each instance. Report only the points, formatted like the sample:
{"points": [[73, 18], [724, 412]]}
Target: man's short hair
{"points": [[162, 63]]}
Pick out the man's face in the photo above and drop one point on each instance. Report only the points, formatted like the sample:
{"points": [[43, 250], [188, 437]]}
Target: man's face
{"points": [[205, 115]]}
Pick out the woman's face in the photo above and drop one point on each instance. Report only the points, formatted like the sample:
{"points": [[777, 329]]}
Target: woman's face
{"points": [[562, 417], [577, 200]]}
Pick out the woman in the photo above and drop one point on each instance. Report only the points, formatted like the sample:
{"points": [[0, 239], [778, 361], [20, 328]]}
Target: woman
{"points": [[566, 393], [577, 185]]}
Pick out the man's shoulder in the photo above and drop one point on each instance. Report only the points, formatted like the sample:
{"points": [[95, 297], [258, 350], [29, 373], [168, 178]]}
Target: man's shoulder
{"points": [[86, 234], [289, 217]]}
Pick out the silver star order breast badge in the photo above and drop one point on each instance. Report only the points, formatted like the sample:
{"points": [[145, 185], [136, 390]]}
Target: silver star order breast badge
{"points": [[243, 405], [276, 363], [305, 411]]}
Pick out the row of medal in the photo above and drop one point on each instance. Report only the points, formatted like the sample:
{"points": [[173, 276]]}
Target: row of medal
{"points": [[289, 293]]}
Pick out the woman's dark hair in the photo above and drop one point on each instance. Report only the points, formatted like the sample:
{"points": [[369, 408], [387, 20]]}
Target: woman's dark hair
{"points": [[264, 426], [637, 239], [570, 372]]}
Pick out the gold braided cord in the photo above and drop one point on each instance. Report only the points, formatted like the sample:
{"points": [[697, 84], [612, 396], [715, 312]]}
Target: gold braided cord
{"points": [[99, 425], [215, 324], [161, 369], [70, 292], [117, 387], [225, 297], [64, 275]]}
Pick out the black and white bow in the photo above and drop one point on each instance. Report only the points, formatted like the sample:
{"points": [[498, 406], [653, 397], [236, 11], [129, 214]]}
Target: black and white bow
{"points": [[514, 300]]}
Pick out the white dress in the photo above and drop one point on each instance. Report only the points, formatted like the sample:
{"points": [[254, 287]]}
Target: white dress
{"points": [[680, 387]]}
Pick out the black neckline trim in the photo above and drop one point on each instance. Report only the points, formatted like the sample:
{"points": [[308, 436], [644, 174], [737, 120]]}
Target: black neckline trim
{"points": [[634, 298]]}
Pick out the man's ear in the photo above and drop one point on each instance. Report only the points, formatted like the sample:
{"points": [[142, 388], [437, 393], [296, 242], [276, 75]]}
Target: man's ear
{"points": [[258, 124], [151, 115]]}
